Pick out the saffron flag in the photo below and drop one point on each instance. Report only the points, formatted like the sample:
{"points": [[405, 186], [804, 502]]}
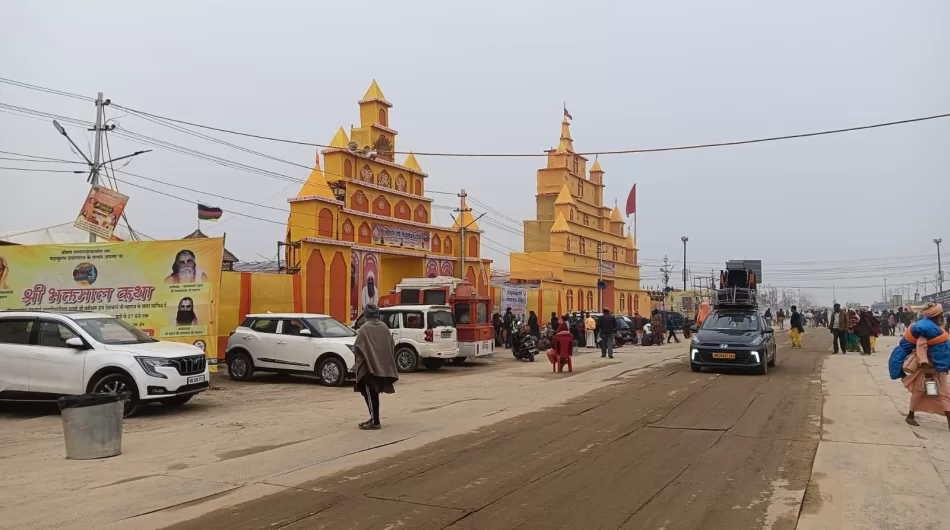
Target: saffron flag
{"points": [[632, 200], [209, 213], [567, 114]]}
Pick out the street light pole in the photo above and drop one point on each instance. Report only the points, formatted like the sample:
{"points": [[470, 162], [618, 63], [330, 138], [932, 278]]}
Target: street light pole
{"points": [[684, 239], [939, 266]]}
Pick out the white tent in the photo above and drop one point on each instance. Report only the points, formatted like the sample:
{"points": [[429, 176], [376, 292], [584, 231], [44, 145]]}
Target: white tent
{"points": [[63, 234]]}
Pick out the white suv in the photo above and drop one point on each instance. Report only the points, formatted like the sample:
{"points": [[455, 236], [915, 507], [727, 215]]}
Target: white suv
{"points": [[297, 343], [422, 333], [44, 355]]}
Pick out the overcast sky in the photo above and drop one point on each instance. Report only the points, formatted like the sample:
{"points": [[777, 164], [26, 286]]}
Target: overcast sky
{"points": [[491, 77]]}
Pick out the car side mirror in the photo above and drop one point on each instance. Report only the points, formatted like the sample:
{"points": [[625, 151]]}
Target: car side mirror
{"points": [[693, 328], [768, 330], [76, 343], [305, 333]]}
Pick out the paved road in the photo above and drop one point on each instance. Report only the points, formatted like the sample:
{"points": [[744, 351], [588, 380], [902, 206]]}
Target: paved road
{"points": [[669, 449]]}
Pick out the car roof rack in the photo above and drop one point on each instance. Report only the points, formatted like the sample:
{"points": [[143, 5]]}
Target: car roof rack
{"points": [[736, 298]]}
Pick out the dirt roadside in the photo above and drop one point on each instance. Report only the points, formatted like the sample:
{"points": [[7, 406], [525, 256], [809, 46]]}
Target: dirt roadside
{"points": [[667, 448]]}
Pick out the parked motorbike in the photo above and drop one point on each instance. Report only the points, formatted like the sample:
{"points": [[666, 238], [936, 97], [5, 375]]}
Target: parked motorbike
{"points": [[524, 346]]}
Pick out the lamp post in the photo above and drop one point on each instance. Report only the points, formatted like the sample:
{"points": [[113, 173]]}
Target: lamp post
{"points": [[939, 267], [684, 239]]}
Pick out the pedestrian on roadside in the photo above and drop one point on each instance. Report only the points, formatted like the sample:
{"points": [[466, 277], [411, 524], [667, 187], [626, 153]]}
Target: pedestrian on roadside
{"points": [[658, 329], [671, 328], [607, 325], [780, 316], [923, 363], [534, 325], [891, 323], [555, 323], [767, 316], [496, 322], [638, 324], [589, 326], [795, 328], [853, 342], [375, 364], [863, 330], [876, 324], [508, 323]]}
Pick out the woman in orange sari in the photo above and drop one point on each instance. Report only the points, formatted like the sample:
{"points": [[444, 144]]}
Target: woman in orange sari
{"points": [[922, 360], [703, 313]]}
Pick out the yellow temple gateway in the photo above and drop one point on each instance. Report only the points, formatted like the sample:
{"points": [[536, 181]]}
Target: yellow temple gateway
{"points": [[575, 239], [362, 224]]}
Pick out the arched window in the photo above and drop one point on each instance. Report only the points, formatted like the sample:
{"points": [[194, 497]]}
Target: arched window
{"points": [[570, 301], [384, 179], [382, 118], [401, 184], [348, 234], [629, 303], [381, 206], [348, 169], [567, 244], [572, 214], [422, 215], [615, 253], [366, 174], [583, 246], [636, 303], [402, 211], [580, 300], [436, 243], [417, 186], [622, 303], [586, 220], [364, 236], [472, 249], [447, 245], [590, 299], [325, 223], [580, 189], [358, 202]]}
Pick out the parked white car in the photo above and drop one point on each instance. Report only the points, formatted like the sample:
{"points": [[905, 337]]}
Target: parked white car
{"points": [[422, 333], [295, 343], [45, 355]]}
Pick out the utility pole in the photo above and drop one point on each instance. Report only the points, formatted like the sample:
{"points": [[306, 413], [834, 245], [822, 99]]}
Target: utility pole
{"points": [[665, 269], [600, 275], [884, 294], [684, 239], [463, 207], [939, 266], [95, 165]]}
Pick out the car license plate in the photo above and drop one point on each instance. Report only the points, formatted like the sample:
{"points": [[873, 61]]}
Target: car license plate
{"points": [[196, 379], [723, 355], [446, 334]]}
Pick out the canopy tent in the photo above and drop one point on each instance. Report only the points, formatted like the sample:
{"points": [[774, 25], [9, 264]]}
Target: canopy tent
{"points": [[63, 234]]}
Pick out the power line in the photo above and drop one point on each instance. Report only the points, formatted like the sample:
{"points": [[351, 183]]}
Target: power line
{"points": [[41, 170], [508, 155]]}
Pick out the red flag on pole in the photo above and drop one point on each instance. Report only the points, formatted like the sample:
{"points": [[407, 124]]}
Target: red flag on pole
{"points": [[632, 200]]}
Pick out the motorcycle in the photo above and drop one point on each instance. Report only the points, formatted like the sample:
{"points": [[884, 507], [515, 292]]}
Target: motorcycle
{"points": [[524, 346]]}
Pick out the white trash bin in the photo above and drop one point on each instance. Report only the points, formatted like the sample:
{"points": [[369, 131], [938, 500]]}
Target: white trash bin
{"points": [[92, 425]]}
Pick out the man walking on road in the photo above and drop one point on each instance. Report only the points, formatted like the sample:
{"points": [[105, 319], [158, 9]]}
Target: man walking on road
{"points": [[589, 326], [607, 325], [375, 364], [671, 328], [864, 329], [796, 328], [508, 323], [838, 324]]}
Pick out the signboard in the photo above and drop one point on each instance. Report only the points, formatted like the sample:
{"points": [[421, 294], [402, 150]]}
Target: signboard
{"points": [[942, 298], [101, 212], [517, 299], [167, 289], [607, 267], [400, 236]]}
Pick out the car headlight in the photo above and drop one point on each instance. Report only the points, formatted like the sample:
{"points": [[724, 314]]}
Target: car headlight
{"points": [[149, 364], [756, 341]]}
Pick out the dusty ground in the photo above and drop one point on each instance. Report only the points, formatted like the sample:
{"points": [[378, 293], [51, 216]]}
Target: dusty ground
{"points": [[663, 449], [242, 441]]}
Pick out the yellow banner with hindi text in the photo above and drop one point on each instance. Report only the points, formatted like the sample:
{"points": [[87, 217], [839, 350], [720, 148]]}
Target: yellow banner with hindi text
{"points": [[167, 289]]}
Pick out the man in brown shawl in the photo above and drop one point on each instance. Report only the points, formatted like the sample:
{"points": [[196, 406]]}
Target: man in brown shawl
{"points": [[375, 366]]}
